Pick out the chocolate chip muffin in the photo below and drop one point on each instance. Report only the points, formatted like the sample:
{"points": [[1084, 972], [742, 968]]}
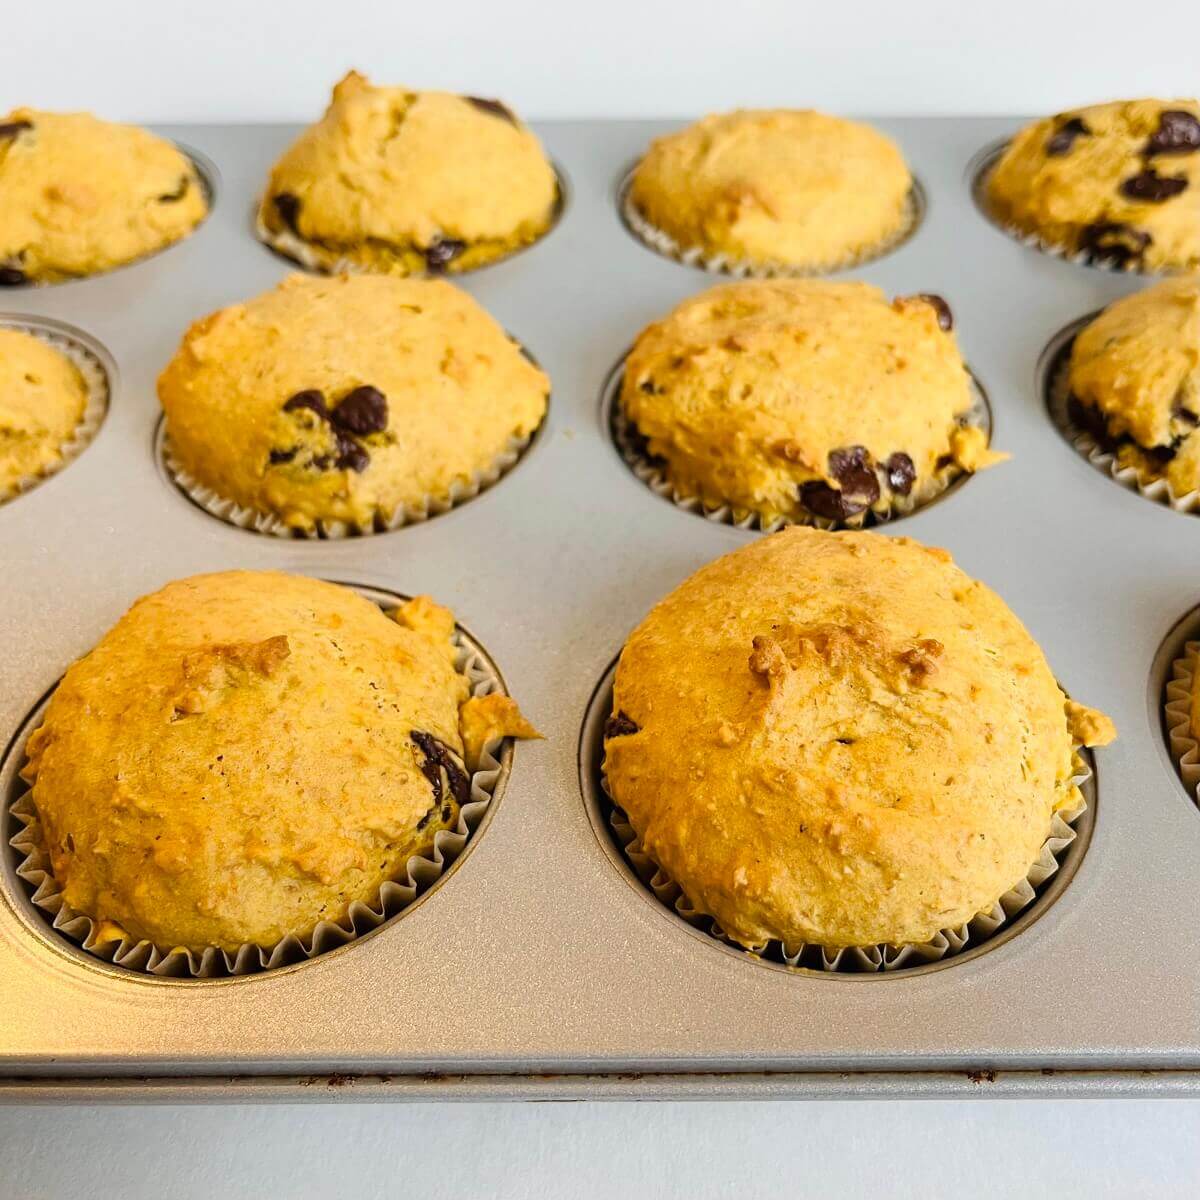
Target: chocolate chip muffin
{"points": [[408, 183], [1134, 379], [244, 755], [776, 189], [42, 401], [79, 195], [840, 739], [1118, 183], [804, 400], [350, 399]]}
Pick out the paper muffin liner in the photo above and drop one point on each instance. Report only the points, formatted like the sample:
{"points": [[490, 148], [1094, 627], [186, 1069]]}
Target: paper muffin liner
{"points": [[98, 387], [1177, 709], [864, 959], [987, 160], [421, 872], [316, 258], [652, 472], [1138, 477], [723, 264], [257, 521]]}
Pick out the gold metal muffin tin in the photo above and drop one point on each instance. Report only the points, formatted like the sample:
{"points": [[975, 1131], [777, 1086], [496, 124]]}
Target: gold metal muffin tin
{"points": [[536, 969]]}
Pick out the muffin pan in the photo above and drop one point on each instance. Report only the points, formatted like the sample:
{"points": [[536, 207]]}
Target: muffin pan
{"points": [[537, 969]]}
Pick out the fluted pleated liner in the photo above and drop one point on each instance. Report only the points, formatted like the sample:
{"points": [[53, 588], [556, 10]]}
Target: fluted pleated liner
{"points": [[987, 160], [1185, 749], [652, 472], [96, 381], [1136, 478], [863, 959], [394, 896], [722, 264], [256, 521]]}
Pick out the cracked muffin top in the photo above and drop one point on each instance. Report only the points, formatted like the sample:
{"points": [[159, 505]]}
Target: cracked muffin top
{"points": [[795, 188], [840, 739], [408, 183], [42, 400], [1117, 182], [79, 195], [246, 754], [804, 399], [347, 398], [1135, 370]]}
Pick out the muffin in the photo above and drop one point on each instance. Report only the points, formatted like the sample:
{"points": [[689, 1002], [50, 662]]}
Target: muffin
{"points": [[775, 188], [840, 739], [408, 183], [347, 399], [1119, 183], [79, 195], [804, 400], [42, 401], [246, 754], [1134, 379]]}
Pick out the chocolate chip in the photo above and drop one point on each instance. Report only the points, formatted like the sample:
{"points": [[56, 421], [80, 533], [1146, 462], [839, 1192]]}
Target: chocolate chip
{"points": [[283, 456], [620, 725], [310, 398], [288, 208], [1114, 242], [439, 254], [823, 501], [178, 193], [1184, 415], [1153, 187], [944, 315], [12, 277], [1160, 454], [647, 386], [1092, 419], [363, 411], [428, 816], [494, 107], [350, 455], [853, 469], [1061, 141], [439, 758], [1178, 133], [900, 473], [12, 128]]}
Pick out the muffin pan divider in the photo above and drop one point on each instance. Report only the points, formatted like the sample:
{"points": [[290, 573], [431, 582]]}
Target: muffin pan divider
{"points": [[537, 968]]}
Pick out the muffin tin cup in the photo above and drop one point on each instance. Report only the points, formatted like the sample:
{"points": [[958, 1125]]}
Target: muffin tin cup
{"points": [[884, 957], [232, 513], [1177, 711], [421, 872], [652, 472], [722, 264], [1138, 478], [97, 379]]}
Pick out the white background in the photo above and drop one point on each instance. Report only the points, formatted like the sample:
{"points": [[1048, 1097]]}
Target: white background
{"points": [[215, 60]]}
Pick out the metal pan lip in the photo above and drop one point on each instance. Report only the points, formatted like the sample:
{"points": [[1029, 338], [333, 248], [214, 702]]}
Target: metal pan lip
{"points": [[598, 806], [17, 894], [211, 184]]}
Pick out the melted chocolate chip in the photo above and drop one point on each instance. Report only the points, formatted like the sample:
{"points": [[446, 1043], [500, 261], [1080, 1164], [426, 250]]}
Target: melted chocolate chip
{"points": [[824, 501], [1061, 141], [310, 398], [1152, 187], [900, 473], [288, 208], [178, 194], [350, 455], [11, 128], [1114, 242], [363, 411], [494, 107], [12, 277], [620, 725], [647, 386], [1178, 133], [854, 470], [944, 315], [439, 254], [1184, 415], [439, 758], [428, 816], [283, 456], [1092, 419]]}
